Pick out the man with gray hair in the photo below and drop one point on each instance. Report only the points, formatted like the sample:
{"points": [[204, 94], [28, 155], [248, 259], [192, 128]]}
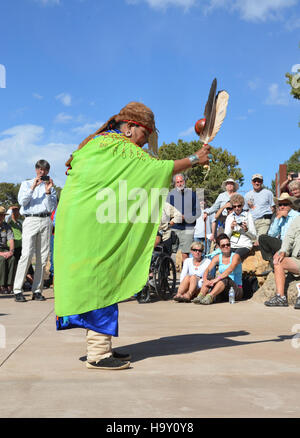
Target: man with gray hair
{"points": [[259, 202], [186, 202], [37, 198]]}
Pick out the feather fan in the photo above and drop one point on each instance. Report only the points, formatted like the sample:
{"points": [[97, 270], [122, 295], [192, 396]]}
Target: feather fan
{"points": [[221, 108]]}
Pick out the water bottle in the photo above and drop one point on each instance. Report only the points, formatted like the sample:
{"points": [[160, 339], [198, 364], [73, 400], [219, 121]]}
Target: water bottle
{"points": [[231, 296]]}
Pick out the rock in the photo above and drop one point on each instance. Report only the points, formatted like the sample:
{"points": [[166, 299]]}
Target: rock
{"points": [[268, 289], [178, 261], [254, 264]]}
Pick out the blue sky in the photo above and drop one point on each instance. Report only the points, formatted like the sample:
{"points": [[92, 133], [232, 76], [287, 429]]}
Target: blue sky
{"points": [[71, 64]]}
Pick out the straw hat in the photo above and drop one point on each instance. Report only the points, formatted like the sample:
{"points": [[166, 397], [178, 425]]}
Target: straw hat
{"points": [[285, 197], [2, 210]]}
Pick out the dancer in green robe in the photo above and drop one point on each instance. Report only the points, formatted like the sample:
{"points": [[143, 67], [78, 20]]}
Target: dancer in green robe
{"points": [[106, 224]]}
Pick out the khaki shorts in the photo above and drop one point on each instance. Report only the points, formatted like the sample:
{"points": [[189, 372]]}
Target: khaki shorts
{"points": [[297, 261], [262, 226], [186, 238]]}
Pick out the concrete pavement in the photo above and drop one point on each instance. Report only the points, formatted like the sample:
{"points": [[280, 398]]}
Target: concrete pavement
{"points": [[189, 361]]}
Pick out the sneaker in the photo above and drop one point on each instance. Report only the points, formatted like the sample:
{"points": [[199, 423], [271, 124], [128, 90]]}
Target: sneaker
{"points": [[297, 304], [38, 296], [20, 297], [198, 299], [276, 301], [109, 363], [208, 299], [125, 357]]}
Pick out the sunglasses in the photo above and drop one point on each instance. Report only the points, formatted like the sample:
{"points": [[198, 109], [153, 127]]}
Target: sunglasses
{"points": [[225, 245], [197, 250], [229, 208], [280, 204], [237, 206]]}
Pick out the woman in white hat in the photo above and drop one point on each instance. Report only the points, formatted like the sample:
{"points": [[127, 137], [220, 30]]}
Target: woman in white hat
{"points": [[230, 187]]}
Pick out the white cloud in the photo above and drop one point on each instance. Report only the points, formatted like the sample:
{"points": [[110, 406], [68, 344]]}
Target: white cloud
{"points": [[253, 84], [63, 118], [277, 96], [64, 98], [249, 10], [187, 132], [24, 144], [163, 4], [37, 96], [254, 10], [48, 2], [87, 129]]}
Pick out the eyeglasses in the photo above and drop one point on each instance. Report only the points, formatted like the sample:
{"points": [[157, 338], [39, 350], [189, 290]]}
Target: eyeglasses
{"points": [[197, 250], [237, 206], [225, 245]]}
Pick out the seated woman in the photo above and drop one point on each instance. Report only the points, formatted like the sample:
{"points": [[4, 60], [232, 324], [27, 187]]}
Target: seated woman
{"points": [[230, 275], [191, 274], [240, 228], [286, 259]]}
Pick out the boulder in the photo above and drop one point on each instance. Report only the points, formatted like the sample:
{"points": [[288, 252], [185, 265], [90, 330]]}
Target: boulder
{"points": [[268, 289], [254, 265]]}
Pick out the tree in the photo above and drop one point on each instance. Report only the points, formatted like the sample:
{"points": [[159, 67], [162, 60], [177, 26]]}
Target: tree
{"points": [[294, 82], [293, 163], [8, 194], [223, 166]]}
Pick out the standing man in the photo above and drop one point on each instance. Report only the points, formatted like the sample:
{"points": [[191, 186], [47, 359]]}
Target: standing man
{"points": [[186, 202], [260, 201], [37, 198]]}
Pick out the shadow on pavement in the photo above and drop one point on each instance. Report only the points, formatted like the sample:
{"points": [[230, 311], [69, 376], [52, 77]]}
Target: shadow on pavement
{"points": [[190, 343]]}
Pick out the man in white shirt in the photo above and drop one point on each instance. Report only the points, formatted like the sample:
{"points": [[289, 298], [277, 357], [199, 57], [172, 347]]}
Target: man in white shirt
{"points": [[37, 198]]}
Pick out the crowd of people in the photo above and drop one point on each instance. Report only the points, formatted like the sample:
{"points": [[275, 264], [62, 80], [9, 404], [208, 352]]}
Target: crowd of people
{"points": [[214, 241], [221, 237]]}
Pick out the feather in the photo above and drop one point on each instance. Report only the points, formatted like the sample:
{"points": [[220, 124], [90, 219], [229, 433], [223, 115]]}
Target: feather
{"points": [[221, 107], [209, 113]]}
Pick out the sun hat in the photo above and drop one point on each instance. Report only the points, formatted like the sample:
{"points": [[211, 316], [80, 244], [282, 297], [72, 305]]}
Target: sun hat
{"points": [[285, 197], [230, 180]]}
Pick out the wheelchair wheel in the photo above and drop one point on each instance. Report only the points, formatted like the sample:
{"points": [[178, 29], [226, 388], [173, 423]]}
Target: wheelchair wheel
{"points": [[165, 278], [143, 296]]}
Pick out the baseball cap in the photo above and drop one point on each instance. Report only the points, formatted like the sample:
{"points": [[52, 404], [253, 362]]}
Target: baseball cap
{"points": [[258, 176]]}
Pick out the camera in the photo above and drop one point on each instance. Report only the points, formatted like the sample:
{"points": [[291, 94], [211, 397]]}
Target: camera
{"points": [[294, 175], [45, 178]]}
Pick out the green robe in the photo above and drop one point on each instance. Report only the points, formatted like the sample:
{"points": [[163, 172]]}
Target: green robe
{"points": [[106, 224]]}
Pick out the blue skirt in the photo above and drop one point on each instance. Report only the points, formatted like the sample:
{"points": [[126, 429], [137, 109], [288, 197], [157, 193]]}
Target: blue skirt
{"points": [[100, 320]]}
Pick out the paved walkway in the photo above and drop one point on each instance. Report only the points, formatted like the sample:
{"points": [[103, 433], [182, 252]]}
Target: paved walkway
{"points": [[188, 361]]}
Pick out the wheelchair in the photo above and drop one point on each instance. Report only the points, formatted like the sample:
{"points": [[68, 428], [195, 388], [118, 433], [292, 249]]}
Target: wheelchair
{"points": [[162, 278]]}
